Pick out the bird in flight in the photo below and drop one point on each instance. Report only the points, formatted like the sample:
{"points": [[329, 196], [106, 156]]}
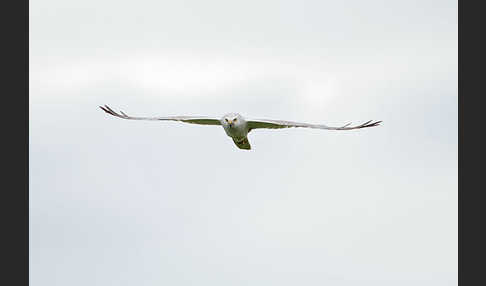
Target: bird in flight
{"points": [[237, 127]]}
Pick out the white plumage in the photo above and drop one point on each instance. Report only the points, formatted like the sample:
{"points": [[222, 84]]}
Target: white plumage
{"points": [[237, 127]]}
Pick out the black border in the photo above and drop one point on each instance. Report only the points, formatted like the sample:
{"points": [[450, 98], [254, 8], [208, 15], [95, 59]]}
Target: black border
{"points": [[471, 65], [15, 142], [460, 135]]}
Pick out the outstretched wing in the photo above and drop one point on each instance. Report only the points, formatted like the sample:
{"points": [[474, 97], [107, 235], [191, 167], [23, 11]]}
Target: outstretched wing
{"points": [[188, 119], [274, 124]]}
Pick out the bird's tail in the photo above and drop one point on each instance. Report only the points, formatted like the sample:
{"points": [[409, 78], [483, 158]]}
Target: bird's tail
{"points": [[243, 144]]}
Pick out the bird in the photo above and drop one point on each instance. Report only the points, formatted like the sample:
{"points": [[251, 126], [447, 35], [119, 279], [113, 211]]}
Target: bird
{"points": [[237, 127]]}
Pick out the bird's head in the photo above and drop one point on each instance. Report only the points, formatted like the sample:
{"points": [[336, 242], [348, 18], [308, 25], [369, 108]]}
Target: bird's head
{"points": [[232, 120]]}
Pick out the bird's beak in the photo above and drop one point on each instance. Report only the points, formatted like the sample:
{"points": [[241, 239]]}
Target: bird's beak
{"points": [[230, 122]]}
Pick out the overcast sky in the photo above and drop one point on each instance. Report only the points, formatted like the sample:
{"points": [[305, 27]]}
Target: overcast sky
{"points": [[118, 202]]}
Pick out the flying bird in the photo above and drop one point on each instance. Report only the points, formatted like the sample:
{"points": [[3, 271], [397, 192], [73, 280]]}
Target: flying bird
{"points": [[237, 127]]}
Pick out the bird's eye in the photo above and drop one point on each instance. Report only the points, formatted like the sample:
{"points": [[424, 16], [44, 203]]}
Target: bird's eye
{"points": [[226, 119], [234, 119]]}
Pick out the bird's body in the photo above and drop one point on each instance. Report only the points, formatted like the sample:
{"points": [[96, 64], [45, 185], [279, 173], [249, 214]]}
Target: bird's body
{"points": [[237, 127]]}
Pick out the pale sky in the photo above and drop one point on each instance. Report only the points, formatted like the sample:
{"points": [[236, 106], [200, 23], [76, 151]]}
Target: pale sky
{"points": [[118, 202]]}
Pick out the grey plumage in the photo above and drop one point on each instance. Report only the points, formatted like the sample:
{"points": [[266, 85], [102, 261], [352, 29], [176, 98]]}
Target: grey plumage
{"points": [[237, 127], [188, 119]]}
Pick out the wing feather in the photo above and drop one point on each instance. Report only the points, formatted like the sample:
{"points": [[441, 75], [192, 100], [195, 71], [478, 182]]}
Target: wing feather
{"points": [[276, 124], [204, 120]]}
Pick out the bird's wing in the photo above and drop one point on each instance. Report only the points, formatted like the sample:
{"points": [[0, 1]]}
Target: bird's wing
{"points": [[204, 120], [274, 124]]}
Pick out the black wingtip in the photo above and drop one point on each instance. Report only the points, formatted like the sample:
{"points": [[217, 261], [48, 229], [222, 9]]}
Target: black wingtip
{"points": [[104, 109], [377, 123], [369, 123], [108, 110]]}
